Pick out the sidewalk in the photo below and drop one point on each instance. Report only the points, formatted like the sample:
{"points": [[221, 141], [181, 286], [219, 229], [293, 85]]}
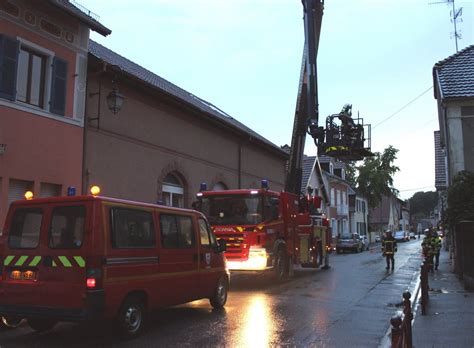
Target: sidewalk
{"points": [[449, 319]]}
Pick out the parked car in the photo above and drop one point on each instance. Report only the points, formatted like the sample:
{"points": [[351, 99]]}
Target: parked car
{"points": [[378, 239], [349, 242], [400, 236], [365, 242], [412, 235]]}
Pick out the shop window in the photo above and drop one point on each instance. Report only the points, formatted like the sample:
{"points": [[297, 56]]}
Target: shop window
{"points": [[17, 189], [50, 190], [173, 191]]}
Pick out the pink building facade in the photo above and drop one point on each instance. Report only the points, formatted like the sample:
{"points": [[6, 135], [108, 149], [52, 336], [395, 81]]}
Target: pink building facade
{"points": [[43, 66]]}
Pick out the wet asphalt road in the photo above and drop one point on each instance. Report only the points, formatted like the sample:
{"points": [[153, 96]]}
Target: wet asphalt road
{"points": [[349, 305]]}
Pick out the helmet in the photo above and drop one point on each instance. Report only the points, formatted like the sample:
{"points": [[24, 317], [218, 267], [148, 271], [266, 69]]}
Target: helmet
{"points": [[427, 230]]}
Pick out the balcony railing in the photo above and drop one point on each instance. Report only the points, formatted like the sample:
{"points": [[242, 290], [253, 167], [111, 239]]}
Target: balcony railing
{"points": [[85, 10]]}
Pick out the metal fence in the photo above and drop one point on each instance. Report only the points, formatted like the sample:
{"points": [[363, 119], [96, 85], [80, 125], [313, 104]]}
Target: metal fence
{"points": [[401, 325]]}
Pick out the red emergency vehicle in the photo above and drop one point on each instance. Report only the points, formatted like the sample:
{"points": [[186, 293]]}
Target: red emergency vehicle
{"points": [[83, 258], [266, 229]]}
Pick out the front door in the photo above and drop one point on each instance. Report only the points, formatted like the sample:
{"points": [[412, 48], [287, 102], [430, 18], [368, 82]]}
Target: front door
{"points": [[211, 264]]}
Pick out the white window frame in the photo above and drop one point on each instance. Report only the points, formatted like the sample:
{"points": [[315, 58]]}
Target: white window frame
{"points": [[48, 72]]}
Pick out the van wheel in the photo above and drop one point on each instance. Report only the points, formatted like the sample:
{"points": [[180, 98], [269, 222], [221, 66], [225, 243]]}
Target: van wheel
{"points": [[41, 324], [219, 299], [281, 262], [131, 317], [11, 322]]}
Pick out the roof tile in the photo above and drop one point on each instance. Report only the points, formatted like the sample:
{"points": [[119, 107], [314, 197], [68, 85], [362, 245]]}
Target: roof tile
{"points": [[160, 83], [456, 74]]}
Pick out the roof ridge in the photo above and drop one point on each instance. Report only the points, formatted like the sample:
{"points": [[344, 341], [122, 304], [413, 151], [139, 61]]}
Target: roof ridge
{"points": [[453, 56], [147, 70]]}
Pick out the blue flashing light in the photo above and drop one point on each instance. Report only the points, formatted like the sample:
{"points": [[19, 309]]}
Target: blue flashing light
{"points": [[71, 191], [265, 184], [203, 187]]}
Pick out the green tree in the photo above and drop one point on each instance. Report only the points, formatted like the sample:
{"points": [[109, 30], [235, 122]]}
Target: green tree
{"points": [[375, 179], [351, 173], [422, 204], [460, 199]]}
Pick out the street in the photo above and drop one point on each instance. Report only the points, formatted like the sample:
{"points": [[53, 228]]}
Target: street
{"points": [[347, 305]]}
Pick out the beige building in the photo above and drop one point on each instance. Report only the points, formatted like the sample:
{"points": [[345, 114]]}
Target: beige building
{"points": [[165, 141]]}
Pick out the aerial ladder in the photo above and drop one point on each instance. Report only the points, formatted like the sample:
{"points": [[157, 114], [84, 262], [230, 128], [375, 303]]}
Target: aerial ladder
{"points": [[343, 136]]}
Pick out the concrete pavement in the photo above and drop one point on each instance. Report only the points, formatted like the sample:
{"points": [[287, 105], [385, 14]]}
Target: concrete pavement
{"points": [[449, 321]]}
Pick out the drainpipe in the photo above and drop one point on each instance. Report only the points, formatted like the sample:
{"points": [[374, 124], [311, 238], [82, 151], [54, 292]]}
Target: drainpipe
{"points": [[239, 166]]}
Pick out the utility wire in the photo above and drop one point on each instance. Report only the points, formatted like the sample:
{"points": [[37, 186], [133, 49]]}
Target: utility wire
{"points": [[414, 189], [403, 107]]}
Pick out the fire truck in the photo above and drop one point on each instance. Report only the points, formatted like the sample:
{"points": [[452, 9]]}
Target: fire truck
{"points": [[270, 230], [267, 230]]}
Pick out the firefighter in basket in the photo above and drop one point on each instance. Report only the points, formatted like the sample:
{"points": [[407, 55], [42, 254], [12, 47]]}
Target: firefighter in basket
{"points": [[389, 248]]}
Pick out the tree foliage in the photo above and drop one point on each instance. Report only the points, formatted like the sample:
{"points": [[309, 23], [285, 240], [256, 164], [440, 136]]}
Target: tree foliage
{"points": [[351, 173], [460, 199], [375, 179], [423, 203]]}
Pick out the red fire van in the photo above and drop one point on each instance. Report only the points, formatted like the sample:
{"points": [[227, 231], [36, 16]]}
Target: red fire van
{"points": [[83, 258]]}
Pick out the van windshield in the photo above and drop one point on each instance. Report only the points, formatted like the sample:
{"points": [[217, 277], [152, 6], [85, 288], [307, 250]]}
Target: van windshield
{"points": [[25, 228], [232, 209]]}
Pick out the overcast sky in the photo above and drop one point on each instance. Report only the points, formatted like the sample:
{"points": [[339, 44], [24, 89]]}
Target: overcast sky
{"points": [[244, 56]]}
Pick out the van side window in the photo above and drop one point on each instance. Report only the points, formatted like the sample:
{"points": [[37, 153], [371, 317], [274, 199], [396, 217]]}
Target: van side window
{"points": [[67, 227], [207, 237], [25, 229], [176, 231], [132, 228]]}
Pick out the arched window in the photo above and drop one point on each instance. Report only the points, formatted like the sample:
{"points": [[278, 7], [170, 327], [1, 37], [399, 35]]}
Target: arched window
{"points": [[173, 191], [219, 186]]}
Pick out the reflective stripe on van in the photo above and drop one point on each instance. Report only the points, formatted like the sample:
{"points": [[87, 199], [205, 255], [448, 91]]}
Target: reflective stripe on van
{"points": [[32, 261]]}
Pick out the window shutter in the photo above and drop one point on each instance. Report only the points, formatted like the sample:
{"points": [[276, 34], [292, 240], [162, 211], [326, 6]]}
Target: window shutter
{"points": [[9, 50], [58, 87]]}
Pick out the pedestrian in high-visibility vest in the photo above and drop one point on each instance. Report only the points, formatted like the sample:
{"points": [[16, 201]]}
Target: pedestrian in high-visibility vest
{"points": [[389, 248], [427, 246], [436, 247]]}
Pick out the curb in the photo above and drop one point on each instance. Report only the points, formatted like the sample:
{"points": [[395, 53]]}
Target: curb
{"points": [[386, 341]]}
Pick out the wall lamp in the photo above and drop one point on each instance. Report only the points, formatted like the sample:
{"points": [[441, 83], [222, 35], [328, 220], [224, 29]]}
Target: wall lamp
{"points": [[114, 100]]}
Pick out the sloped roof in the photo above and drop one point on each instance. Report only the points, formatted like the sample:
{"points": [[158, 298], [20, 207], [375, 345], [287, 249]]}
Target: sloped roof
{"points": [[455, 75], [155, 81], [308, 164], [327, 159], [81, 13]]}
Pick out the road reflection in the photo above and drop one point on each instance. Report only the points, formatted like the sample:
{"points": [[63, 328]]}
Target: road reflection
{"points": [[257, 326]]}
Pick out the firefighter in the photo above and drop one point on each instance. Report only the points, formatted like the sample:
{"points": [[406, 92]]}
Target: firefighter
{"points": [[389, 248], [436, 247], [427, 247]]}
